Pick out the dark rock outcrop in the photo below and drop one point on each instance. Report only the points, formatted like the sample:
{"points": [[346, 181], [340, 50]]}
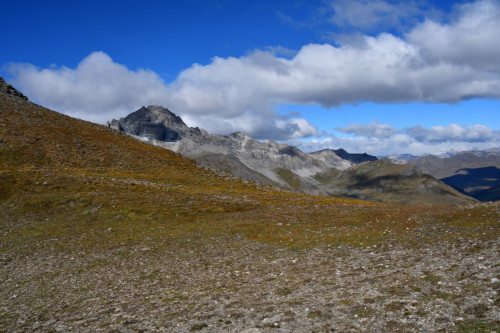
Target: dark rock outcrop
{"points": [[354, 158], [10, 90]]}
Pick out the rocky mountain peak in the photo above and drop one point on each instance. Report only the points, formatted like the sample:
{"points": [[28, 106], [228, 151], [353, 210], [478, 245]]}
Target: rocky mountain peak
{"points": [[10, 90], [156, 114], [152, 123]]}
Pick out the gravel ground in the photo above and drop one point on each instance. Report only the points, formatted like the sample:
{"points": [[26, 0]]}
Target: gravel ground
{"points": [[235, 285]]}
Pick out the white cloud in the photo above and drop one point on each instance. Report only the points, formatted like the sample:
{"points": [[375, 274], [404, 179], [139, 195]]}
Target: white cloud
{"points": [[383, 140], [471, 40], [97, 89], [399, 143], [453, 133], [381, 69], [254, 124], [241, 93], [437, 134], [373, 129]]}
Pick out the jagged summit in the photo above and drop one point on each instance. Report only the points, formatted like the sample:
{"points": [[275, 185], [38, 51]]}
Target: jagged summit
{"points": [[10, 90], [157, 114], [153, 123]]}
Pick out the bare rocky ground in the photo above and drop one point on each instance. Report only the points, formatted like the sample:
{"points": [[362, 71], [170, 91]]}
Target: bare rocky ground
{"points": [[236, 285]]}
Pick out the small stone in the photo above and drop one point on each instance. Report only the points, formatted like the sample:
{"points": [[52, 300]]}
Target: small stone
{"points": [[49, 322], [61, 328], [251, 330], [273, 319]]}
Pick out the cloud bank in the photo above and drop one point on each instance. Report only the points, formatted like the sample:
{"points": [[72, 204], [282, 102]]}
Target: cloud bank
{"points": [[394, 145], [383, 139], [433, 62]]}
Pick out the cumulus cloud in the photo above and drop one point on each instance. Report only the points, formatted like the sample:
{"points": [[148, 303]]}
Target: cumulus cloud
{"points": [[255, 125], [242, 93], [95, 90], [373, 129], [453, 133], [383, 140], [468, 41]]}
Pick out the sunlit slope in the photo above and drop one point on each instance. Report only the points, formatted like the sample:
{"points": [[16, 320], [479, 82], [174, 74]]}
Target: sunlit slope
{"points": [[65, 177], [84, 184], [384, 181]]}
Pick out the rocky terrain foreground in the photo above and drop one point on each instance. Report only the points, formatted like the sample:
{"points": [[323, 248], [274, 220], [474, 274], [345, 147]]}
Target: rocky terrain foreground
{"points": [[237, 285], [100, 232]]}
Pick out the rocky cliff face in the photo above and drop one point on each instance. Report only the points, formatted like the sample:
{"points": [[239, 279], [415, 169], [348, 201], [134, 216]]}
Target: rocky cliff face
{"points": [[268, 162]]}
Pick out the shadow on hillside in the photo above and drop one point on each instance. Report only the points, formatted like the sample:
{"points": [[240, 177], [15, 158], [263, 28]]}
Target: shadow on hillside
{"points": [[479, 183]]}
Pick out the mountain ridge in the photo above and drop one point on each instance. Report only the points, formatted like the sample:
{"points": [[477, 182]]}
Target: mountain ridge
{"points": [[271, 163]]}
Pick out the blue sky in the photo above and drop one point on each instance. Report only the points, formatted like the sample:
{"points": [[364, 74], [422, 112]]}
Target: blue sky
{"points": [[377, 76]]}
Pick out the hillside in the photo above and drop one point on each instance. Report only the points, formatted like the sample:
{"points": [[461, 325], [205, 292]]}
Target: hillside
{"points": [[101, 232], [384, 181], [448, 166], [475, 173]]}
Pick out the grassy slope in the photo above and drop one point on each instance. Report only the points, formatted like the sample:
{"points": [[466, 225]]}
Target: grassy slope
{"points": [[69, 186], [384, 181]]}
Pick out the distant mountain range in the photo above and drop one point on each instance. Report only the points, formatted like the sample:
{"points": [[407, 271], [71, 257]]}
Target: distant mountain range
{"points": [[325, 172], [475, 173]]}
